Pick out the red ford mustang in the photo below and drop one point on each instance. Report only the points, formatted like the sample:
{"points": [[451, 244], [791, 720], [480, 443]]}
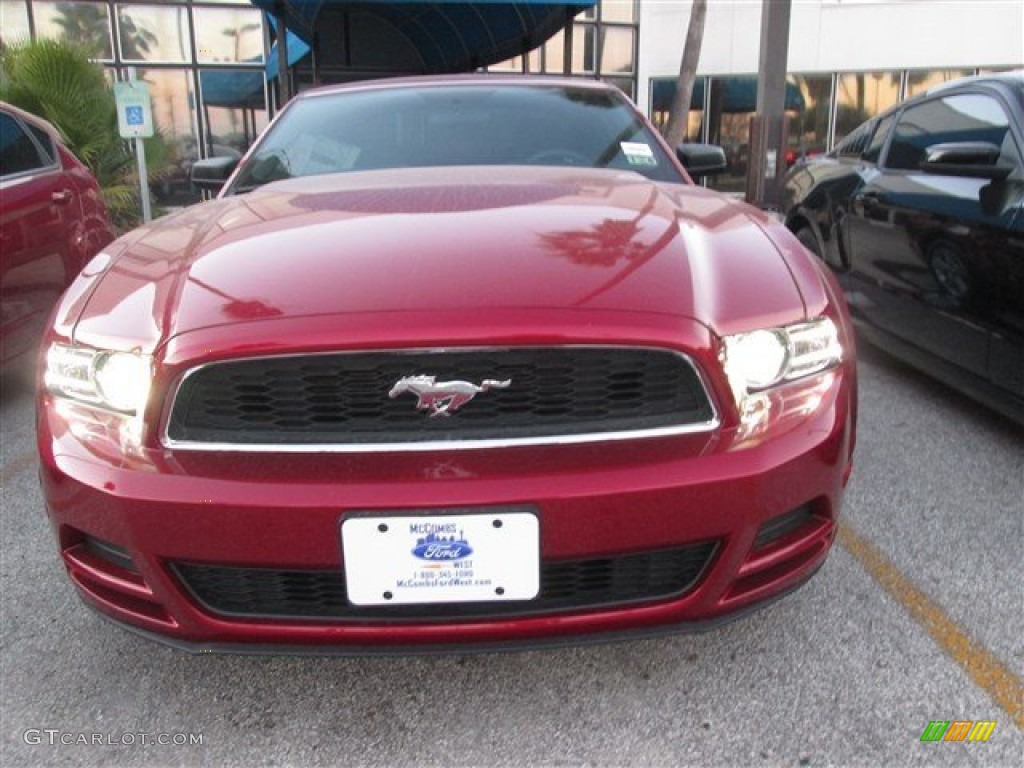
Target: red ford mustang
{"points": [[450, 363]]}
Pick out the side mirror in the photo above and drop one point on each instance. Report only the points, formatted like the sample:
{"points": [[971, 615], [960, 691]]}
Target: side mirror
{"points": [[211, 173], [701, 159], [972, 159]]}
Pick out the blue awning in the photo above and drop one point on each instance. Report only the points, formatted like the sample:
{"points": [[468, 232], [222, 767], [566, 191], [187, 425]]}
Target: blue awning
{"points": [[232, 88], [297, 50], [428, 37]]}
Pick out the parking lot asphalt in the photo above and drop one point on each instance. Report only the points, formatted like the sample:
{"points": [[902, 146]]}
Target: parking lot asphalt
{"points": [[918, 615]]}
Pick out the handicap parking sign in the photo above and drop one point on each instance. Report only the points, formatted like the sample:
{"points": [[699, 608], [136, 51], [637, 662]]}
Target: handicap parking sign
{"points": [[134, 113]]}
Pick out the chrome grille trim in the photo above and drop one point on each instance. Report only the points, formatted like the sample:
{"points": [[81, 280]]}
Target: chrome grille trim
{"points": [[440, 445]]}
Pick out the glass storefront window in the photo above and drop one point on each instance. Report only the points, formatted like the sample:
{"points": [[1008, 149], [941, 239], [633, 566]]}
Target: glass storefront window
{"points": [[584, 59], [173, 102], [808, 123], [920, 81], [229, 35], [154, 33], [234, 109], [663, 89], [87, 24], [617, 50], [731, 107], [15, 17], [583, 49], [554, 54], [515, 64], [618, 10], [863, 95]]}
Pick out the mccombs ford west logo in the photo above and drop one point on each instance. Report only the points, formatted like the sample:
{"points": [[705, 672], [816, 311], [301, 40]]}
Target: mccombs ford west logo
{"points": [[436, 546]]}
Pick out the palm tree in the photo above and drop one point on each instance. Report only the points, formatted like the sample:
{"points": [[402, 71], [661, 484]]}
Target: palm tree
{"points": [[56, 80]]}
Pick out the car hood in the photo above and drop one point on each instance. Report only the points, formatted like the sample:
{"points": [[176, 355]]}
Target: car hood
{"points": [[464, 239]]}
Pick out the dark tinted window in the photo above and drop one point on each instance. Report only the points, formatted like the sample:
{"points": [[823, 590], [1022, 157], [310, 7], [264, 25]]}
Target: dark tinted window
{"points": [[965, 117], [17, 152], [853, 145], [874, 149], [457, 125], [44, 141]]}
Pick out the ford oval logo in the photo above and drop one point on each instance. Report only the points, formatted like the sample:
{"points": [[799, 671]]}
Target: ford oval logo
{"points": [[442, 548]]}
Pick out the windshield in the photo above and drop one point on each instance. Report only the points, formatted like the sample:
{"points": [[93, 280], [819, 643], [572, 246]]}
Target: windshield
{"points": [[450, 125]]}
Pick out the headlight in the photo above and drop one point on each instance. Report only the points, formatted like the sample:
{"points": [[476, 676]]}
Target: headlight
{"points": [[116, 381], [758, 363], [756, 360]]}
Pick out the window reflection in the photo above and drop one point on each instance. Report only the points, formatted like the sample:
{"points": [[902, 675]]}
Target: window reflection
{"points": [[616, 50], [154, 33], [863, 95], [921, 81], [583, 48], [808, 126], [618, 10], [970, 117], [228, 35], [733, 102], [86, 24], [662, 92], [515, 64], [234, 108], [172, 97], [554, 54], [15, 16]]}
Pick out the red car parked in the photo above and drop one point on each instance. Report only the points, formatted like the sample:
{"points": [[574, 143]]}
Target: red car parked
{"points": [[460, 362], [53, 221]]}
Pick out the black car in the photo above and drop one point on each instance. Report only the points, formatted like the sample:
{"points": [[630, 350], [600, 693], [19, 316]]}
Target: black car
{"points": [[920, 211]]}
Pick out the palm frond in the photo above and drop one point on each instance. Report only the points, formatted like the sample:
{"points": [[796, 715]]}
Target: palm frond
{"points": [[56, 80]]}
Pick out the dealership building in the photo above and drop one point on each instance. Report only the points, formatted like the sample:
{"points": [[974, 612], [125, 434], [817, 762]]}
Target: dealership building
{"points": [[212, 65]]}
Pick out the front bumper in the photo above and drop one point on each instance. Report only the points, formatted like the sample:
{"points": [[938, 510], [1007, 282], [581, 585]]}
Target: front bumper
{"points": [[600, 500]]}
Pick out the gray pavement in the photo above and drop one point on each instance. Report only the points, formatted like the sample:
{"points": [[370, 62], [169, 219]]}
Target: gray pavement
{"points": [[840, 673]]}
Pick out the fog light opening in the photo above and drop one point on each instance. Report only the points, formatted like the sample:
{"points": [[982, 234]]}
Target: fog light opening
{"points": [[782, 525], [111, 553]]}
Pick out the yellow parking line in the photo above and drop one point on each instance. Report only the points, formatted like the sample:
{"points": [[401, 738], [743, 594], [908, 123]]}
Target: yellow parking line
{"points": [[981, 665], [16, 466]]}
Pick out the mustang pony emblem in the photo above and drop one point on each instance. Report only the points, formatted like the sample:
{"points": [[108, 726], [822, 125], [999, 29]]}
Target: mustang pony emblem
{"points": [[442, 397]]}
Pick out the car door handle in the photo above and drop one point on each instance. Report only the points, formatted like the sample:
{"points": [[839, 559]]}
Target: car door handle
{"points": [[63, 197], [870, 197]]}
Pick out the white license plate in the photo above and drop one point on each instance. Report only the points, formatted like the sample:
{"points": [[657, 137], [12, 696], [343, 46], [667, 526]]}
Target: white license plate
{"points": [[403, 560]]}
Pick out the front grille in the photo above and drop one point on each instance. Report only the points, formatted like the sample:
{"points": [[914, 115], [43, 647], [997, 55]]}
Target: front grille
{"points": [[565, 586], [333, 399]]}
